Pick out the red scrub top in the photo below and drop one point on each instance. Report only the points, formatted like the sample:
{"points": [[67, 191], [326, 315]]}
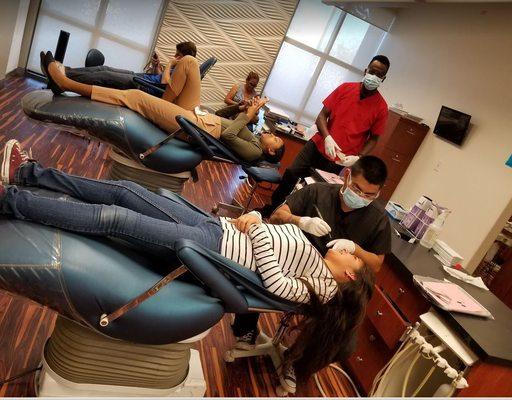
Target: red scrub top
{"points": [[352, 119]]}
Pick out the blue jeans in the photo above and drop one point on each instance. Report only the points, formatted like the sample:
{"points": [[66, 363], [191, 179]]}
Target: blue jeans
{"points": [[120, 209]]}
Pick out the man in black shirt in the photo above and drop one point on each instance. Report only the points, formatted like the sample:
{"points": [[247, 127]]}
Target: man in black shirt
{"points": [[344, 217]]}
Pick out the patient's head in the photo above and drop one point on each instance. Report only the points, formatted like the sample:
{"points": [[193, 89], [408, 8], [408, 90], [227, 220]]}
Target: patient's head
{"points": [[343, 265], [272, 146], [185, 49]]}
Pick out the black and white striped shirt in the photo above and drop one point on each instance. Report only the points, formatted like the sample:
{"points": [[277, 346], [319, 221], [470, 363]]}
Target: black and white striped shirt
{"points": [[280, 254]]}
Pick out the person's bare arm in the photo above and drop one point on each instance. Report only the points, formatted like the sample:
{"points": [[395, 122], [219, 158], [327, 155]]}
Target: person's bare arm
{"points": [[229, 97], [283, 215], [370, 144], [374, 261], [321, 122], [166, 75]]}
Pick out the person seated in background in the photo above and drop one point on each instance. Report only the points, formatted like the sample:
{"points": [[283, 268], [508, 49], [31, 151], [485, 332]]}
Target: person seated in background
{"points": [[243, 91], [334, 289], [248, 147], [181, 75], [238, 97]]}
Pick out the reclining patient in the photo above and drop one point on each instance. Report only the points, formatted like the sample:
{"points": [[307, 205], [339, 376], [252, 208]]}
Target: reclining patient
{"points": [[334, 289], [183, 84], [234, 134]]}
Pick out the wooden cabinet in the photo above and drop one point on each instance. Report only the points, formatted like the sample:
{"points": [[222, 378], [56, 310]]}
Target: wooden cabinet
{"points": [[395, 304], [397, 148]]}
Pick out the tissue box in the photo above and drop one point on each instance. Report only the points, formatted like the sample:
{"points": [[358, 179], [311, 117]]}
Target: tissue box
{"points": [[395, 210]]}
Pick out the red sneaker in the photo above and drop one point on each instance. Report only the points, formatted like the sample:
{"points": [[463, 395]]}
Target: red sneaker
{"points": [[14, 157]]}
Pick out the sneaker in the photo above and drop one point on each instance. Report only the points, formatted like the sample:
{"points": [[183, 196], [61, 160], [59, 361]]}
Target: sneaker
{"points": [[288, 380], [14, 157], [247, 341]]}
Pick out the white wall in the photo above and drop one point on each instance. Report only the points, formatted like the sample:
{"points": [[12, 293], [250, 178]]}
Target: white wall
{"points": [[19, 28], [8, 17], [459, 56]]}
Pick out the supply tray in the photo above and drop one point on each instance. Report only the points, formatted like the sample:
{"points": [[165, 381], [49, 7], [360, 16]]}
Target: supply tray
{"points": [[421, 280]]}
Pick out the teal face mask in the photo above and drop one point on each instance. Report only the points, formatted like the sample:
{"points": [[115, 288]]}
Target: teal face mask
{"points": [[354, 201], [371, 82]]}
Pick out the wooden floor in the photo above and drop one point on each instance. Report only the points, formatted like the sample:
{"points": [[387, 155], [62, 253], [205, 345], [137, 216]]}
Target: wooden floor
{"points": [[25, 326]]}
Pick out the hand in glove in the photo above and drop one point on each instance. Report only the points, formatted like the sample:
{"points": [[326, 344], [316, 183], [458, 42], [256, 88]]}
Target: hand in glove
{"points": [[331, 148], [347, 161], [342, 245], [316, 226]]}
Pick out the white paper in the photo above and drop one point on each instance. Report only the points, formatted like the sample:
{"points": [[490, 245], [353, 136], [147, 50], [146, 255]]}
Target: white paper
{"points": [[473, 280]]}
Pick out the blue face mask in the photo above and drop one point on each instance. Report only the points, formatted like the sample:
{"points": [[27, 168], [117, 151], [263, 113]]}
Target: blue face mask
{"points": [[353, 200]]}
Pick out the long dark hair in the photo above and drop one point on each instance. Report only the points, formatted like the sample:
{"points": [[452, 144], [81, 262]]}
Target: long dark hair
{"points": [[327, 331]]}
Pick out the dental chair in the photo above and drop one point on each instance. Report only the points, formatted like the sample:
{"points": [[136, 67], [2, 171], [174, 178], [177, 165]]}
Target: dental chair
{"points": [[262, 172], [158, 89], [141, 152], [127, 321], [130, 135]]}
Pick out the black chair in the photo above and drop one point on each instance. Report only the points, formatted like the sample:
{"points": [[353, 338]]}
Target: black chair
{"points": [[258, 173], [94, 58], [158, 89]]}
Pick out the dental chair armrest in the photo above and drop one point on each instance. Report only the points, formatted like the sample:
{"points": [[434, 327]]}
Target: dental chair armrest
{"points": [[197, 136], [157, 88], [199, 259], [193, 257], [178, 199]]}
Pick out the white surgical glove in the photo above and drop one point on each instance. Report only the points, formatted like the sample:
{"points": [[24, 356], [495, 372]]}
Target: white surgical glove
{"points": [[347, 161], [342, 244], [316, 226], [331, 147]]}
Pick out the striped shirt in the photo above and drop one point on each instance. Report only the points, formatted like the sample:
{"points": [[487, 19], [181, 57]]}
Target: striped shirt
{"points": [[280, 254]]}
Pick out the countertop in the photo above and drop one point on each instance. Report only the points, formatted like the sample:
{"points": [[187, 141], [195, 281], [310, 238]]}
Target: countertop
{"points": [[490, 339]]}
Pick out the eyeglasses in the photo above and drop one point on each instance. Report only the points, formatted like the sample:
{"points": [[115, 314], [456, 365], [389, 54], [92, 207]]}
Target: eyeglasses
{"points": [[359, 192]]}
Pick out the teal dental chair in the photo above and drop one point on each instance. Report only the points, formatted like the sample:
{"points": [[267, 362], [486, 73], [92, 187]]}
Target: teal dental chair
{"points": [[111, 338]]}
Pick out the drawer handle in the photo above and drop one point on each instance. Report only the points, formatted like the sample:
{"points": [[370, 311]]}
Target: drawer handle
{"points": [[401, 291], [372, 338], [411, 131], [359, 359], [395, 159], [379, 313]]}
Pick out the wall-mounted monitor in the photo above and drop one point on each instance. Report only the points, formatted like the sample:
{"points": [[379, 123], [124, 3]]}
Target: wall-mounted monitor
{"points": [[452, 125]]}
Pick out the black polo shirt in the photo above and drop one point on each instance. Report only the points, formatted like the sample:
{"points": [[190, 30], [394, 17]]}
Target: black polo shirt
{"points": [[369, 226]]}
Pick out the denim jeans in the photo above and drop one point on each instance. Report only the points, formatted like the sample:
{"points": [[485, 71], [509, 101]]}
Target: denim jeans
{"points": [[119, 209]]}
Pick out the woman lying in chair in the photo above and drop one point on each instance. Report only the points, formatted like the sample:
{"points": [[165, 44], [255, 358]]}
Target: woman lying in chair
{"points": [[334, 289], [234, 134]]}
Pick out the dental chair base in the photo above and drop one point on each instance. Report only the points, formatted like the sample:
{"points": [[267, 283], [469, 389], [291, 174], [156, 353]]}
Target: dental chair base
{"points": [[124, 168], [256, 176], [80, 362], [265, 346]]}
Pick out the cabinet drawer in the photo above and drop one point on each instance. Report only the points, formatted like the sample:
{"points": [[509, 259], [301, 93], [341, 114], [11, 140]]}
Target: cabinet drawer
{"points": [[402, 293], [396, 162], [385, 318], [370, 356], [407, 137]]}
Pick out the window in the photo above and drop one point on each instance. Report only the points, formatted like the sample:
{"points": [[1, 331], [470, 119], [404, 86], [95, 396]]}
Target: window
{"points": [[123, 30], [324, 47]]}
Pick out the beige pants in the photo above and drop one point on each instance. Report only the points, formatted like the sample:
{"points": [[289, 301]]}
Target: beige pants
{"points": [[160, 112]]}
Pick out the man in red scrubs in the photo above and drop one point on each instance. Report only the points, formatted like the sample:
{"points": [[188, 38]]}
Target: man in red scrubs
{"points": [[352, 119]]}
